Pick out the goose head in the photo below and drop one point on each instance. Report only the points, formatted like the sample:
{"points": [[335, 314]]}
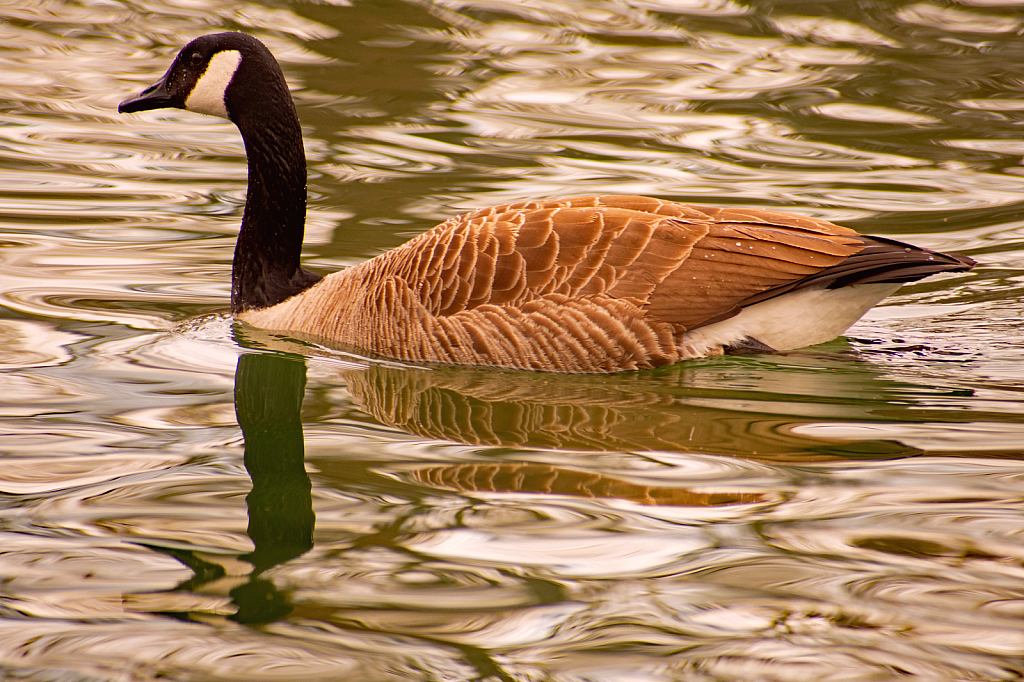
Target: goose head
{"points": [[230, 75]]}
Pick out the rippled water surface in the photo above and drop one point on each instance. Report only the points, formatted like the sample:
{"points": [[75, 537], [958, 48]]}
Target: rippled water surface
{"points": [[185, 498]]}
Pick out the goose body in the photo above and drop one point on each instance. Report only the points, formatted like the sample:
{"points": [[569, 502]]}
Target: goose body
{"points": [[582, 284]]}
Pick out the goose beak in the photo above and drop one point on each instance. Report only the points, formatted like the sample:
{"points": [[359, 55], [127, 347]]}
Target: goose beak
{"points": [[155, 96]]}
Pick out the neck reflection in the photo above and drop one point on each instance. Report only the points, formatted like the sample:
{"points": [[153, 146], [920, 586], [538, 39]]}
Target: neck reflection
{"points": [[268, 400]]}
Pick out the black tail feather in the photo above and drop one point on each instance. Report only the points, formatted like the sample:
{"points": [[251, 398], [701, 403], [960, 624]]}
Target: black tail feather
{"points": [[880, 261], [887, 260]]}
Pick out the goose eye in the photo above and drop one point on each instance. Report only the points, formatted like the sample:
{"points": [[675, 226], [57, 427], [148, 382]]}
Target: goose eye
{"points": [[196, 59]]}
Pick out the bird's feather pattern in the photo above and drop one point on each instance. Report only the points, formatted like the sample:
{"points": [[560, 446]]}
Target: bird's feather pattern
{"points": [[585, 284]]}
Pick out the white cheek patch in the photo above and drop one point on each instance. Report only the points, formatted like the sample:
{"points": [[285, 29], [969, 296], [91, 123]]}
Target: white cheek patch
{"points": [[207, 97]]}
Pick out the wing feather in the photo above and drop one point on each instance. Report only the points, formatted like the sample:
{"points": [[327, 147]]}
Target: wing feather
{"points": [[600, 283]]}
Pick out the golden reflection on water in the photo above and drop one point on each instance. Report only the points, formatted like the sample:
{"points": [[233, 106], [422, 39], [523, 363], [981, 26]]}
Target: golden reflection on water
{"points": [[170, 510], [578, 413]]}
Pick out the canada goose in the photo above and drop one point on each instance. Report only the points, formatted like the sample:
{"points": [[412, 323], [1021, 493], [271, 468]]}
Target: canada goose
{"points": [[583, 284]]}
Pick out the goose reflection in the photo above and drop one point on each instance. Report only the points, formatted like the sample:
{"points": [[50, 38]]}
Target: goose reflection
{"points": [[268, 398], [268, 401], [738, 407]]}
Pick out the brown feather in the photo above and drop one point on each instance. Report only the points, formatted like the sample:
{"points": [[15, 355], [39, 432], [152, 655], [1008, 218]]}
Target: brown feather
{"points": [[584, 284]]}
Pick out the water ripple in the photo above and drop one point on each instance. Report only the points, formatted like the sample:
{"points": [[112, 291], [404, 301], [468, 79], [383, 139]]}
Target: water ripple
{"points": [[180, 498]]}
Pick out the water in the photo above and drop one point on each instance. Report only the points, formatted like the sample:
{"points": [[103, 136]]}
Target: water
{"points": [[184, 498]]}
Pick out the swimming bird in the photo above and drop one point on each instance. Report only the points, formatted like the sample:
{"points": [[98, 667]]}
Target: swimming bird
{"points": [[579, 284]]}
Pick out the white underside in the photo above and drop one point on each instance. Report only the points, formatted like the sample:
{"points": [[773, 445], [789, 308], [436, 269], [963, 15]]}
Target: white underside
{"points": [[796, 320]]}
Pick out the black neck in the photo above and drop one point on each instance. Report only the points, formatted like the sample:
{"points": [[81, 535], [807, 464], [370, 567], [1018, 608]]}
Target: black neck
{"points": [[266, 267]]}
